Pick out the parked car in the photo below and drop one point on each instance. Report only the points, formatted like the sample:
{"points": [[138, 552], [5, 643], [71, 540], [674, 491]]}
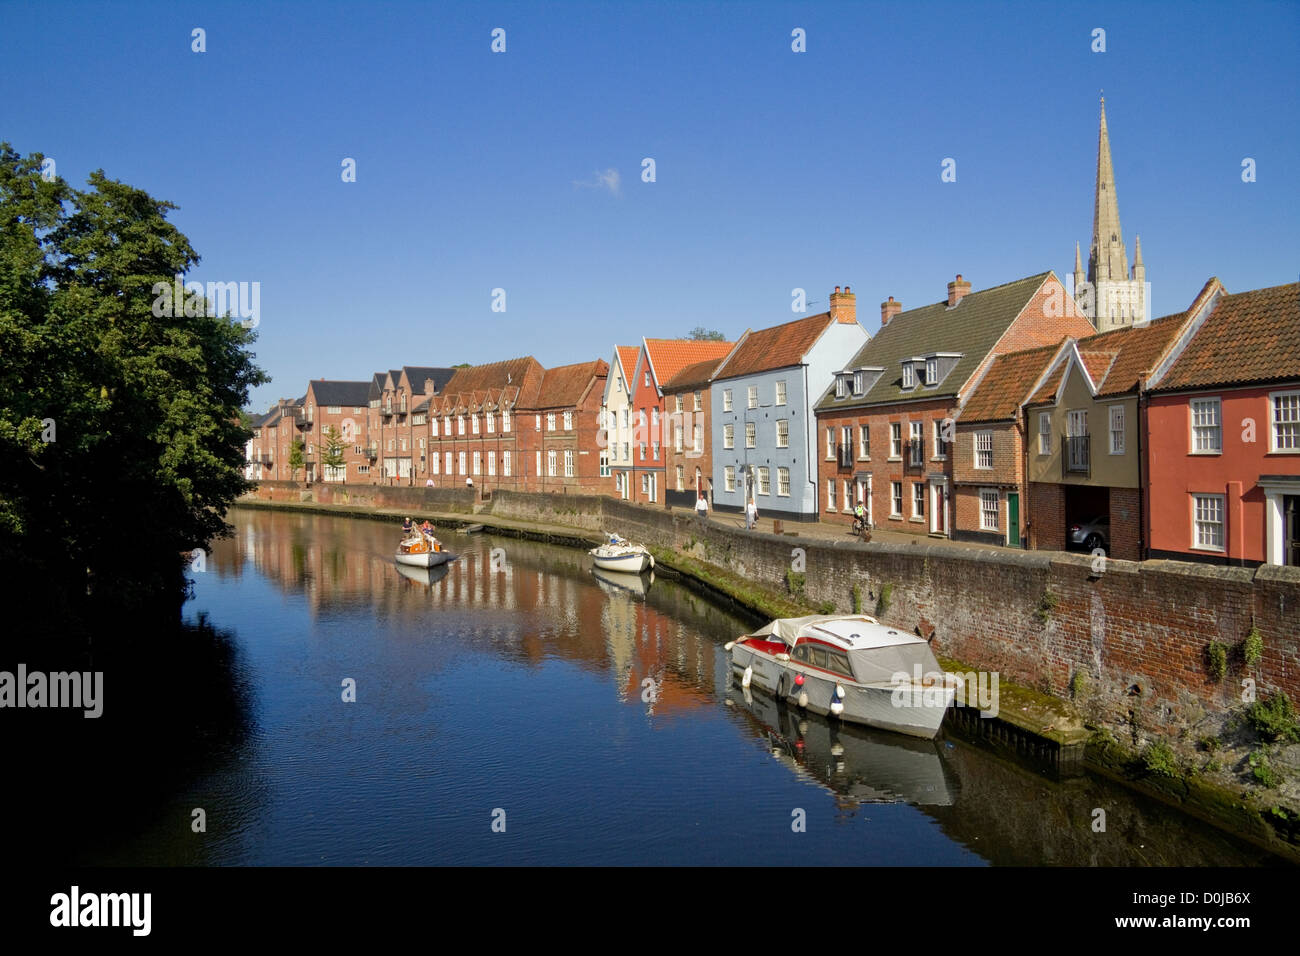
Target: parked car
{"points": [[1091, 534]]}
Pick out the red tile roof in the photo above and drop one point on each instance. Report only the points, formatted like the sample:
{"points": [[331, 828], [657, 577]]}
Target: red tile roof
{"points": [[565, 386], [670, 356], [627, 358], [1249, 337], [998, 395], [777, 347], [1119, 361], [518, 378]]}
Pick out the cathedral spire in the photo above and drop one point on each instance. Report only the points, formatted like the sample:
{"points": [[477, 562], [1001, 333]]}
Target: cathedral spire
{"points": [[1108, 258]]}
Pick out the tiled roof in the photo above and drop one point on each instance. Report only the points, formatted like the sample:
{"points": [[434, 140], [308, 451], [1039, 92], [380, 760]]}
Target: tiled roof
{"points": [[1249, 337], [1008, 380], [693, 376], [1119, 361], [340, 393], [670, 356], [972, 327], [777, 347], [564, 387], [627, 358], [510, 376]]}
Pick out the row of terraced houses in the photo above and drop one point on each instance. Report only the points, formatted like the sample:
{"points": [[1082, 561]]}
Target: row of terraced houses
{"points": [[1022, 415]]}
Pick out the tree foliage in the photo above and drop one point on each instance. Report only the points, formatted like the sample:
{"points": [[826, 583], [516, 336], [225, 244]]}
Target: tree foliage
{"points": [[144, 412], [701, 334], [332, 457]]}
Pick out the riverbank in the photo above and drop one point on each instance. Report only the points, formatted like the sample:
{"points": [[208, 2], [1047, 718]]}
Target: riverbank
{"points": [[1157, 741]]}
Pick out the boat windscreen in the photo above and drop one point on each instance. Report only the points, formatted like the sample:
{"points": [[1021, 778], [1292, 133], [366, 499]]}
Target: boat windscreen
{"points": [[882, 663]]}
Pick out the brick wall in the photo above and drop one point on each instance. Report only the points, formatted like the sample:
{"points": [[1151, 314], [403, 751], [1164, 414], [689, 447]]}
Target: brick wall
{"points": [[1046, 516], [1125, 526], [432, 500]]}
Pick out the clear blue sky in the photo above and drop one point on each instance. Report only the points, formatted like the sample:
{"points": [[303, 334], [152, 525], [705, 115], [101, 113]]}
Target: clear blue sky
{"points": [[775, 169]]}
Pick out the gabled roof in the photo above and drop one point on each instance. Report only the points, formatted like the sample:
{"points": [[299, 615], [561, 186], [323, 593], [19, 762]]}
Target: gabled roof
{"points": [[566, 386], [1119, 361], [777, 347], [693, 376], [627, 358], [1006, 384], [417, 374], [334, 392], [972, 328], [1249, 337], [669, 356], [515, 379]]}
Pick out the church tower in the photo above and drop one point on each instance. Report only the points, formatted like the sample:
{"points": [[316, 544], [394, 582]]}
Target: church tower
{"points": [[1111, 295]]}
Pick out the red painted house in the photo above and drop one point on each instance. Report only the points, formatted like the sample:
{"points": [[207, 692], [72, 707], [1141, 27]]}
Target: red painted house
{"points": [[1222, 436]]}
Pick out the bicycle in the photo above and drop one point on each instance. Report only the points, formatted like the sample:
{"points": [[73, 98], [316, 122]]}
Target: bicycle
{"points": [[861, 528]]}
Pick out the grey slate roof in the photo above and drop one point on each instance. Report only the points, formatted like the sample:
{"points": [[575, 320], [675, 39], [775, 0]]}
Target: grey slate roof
{"points": [[328, 392], [416, 374], [972, 327]]}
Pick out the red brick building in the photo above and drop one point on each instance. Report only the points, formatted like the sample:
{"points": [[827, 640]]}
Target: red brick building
{"points": [[482, 426], [886, 423], [273, 437], [340, 408], [1222, 436], [566, 424], [397, 432], [688, 460]]}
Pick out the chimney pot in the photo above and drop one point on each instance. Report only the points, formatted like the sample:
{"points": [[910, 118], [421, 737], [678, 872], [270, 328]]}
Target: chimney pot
{"points": [[888, 310], [957, 290], [844, 307]]}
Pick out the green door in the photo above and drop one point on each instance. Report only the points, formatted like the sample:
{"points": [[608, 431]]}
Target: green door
{"points": [[1013, 520]]}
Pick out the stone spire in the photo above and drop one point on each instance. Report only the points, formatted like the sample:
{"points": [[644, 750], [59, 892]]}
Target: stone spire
{"points": [[1139, 270], [1108, 258]]}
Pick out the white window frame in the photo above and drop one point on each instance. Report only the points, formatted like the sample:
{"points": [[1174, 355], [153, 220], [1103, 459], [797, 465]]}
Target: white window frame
{"points": [[505, 463], [1044, 433], [752, 396], [859, 383], [1219, 505], [568, 463], [864, 443], [780, 392], [985, 495], [763, 480], [726, 400], [729, 435], [830, 494], [568, 421], [729, 478], [841, 386], [895, 499], [478, 462], [983, 438], [551, 461], [931, 371], [918, 499], [909, 375], [895, 441], [751, 434], [1292, 446], [1208, 431], [782, 481], [1113, 433], [681, 477], [830, 443], [492, 463], [782, 433]]}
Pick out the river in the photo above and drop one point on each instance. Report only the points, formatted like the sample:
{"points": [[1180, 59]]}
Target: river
{"points": [[519, 710]]}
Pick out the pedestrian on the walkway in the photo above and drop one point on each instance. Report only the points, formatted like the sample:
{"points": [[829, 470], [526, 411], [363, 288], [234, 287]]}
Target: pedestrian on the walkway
{"points": [[751, 515], [701, 507]]}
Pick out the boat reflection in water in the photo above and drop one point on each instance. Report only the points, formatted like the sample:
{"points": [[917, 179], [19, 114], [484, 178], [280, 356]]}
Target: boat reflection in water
{"points": [[864, 765], [614, 582], [425, 576]]}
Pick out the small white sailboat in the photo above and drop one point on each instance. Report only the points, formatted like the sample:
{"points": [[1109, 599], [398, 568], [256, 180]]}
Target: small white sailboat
{"points": [[619, 554]]}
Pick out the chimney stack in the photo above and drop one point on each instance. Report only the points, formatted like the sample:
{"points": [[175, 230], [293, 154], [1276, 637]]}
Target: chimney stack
{"points": [[844, 306], [957, 290], [888, 310]]}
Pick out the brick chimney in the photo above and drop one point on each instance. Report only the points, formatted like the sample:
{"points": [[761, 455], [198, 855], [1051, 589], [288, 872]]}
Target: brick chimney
{"points": [[957, 290], [888, 310], [844, 306]]}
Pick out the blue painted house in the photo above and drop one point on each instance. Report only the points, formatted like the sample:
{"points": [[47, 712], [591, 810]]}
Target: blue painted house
{"points": [[761, 397]]}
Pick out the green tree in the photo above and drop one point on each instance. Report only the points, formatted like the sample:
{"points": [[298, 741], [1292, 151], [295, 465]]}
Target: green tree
{"points": [[295, 458], [701, 334], [119, 420], [332, 457]]}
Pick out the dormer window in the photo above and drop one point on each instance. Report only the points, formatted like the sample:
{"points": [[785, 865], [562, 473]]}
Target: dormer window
{"points": [[841, 386], [909, 375], [932, 371], [859, 382]]}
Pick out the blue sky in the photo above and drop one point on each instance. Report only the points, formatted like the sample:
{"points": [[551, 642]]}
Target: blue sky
{"points": [[479, 170]]}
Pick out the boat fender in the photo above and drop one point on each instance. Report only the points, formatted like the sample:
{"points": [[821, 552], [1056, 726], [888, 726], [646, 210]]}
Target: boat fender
{"points": [[652, 560], [798, 680], [747, 677], [729, 645], [837, 702], [803, 699]]}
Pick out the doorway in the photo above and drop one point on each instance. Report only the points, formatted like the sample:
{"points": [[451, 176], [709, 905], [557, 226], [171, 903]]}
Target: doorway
{"points": [[1013, 519], [1291, 525]]}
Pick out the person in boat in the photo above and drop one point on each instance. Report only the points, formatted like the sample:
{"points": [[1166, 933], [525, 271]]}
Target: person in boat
{"points": [[427, 528], [407, 526]]}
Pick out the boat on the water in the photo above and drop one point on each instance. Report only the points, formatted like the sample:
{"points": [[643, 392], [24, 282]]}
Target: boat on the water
{"points": [[422, 550], [619, 554], [848, 666]]}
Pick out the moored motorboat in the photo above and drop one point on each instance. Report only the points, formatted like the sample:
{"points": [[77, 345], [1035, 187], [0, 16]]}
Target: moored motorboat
{"points": [[422, 551], [619, 554], [851, 667]]}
